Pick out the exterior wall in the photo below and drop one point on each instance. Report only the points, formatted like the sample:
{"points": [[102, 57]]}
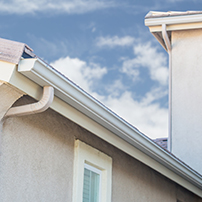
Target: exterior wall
{"points": [[187, 97], [8, 96], [134, 181], [37, 157]]}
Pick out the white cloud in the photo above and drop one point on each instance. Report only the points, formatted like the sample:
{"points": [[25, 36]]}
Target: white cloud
{"points": [[115, 88], [154, 95], [114, 41], [83, 74], [148, 117], [147, 56], [91, 26], [131, 69], [59, 6], [144, 114]]}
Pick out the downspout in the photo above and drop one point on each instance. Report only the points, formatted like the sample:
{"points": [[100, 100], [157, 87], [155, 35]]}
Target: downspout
{"points": [[168, 46], [40, 106]]}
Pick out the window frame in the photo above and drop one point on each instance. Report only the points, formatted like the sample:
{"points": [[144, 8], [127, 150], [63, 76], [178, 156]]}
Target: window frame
{"points": [[85, 154], [99, 172]]}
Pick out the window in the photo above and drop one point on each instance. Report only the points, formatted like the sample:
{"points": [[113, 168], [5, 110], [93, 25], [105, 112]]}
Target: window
{"points": [[92, 174], [91, 184]]}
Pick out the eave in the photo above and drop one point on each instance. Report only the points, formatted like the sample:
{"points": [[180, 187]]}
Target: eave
{"points": [[75, 104], [173, 23]]}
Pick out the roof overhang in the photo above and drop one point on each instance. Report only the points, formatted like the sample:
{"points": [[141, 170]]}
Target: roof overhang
{"points": [[75, 104], [174, 21]]}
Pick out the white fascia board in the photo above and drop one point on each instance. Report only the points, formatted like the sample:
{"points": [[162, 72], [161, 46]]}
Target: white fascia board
{"points": [[171, 20], [43, 74]]}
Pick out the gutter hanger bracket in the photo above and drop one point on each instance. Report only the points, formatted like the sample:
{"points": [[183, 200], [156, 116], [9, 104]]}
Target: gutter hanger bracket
{"points": [[166, 38], [40, 106]]}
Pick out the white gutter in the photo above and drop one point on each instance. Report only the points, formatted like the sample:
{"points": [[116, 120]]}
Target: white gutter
{"points": [[43, 74], [184, 21], [170, 20], [40, 106]]}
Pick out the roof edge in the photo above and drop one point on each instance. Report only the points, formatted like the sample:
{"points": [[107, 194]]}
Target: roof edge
{"points": [[157, 20], [157, 14], [43, 74]]}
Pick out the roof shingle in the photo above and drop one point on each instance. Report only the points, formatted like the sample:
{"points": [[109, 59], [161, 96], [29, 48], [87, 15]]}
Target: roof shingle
{"points": [[11, 51]]}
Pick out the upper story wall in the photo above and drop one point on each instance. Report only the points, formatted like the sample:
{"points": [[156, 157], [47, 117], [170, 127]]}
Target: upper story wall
{"points": [[180, 33], [187, 96], [37, 155], [36, 158]]}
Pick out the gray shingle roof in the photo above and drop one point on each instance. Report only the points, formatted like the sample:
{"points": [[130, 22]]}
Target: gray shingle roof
{"points": [[11, 51], [161, 142]]}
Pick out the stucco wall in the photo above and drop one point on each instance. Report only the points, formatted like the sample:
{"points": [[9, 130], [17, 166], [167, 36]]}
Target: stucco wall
{"points": [[36, 158], [134, 181], [37, 164], [187, 96]]}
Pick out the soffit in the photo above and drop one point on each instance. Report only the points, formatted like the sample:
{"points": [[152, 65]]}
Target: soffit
{"points": [[174, 21]]}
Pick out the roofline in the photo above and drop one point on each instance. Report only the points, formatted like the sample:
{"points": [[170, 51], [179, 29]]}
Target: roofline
{"points": [[179, 22], [170, 20], [157, 14], [174, 21], [78, 106], [156, 157]]}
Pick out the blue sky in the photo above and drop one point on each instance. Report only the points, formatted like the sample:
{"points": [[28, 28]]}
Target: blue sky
{"points": [[104, 47]]}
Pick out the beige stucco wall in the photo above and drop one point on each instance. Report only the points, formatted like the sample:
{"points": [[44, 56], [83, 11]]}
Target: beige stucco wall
{"points": [[187, 96], [36, 158], [134, 181], [37, 164]]}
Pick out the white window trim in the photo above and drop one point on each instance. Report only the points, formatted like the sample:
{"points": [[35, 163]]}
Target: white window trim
{"points": [[85, 154], [92, 168]]}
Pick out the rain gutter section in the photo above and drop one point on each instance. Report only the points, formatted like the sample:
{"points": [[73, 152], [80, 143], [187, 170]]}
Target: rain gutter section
{"points": [[43, 74], [170, 20]]}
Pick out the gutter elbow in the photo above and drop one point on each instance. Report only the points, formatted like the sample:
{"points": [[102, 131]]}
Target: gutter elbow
{"points": [[40, 106], [166, 38]]}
